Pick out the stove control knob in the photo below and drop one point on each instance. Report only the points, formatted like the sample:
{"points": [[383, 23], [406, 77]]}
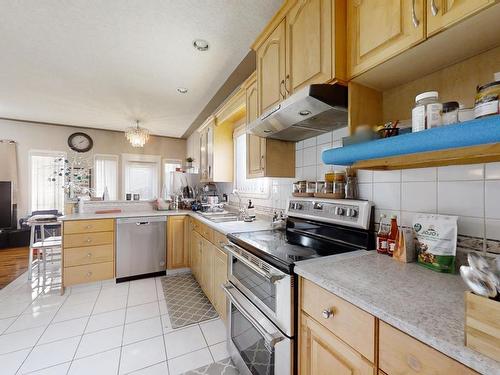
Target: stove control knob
{"points": [[296, 206], [351, 212], [339, 211]]}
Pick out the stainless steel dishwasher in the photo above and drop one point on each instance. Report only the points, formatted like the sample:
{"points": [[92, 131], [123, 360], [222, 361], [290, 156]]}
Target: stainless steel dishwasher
{"points": [[141, 244]]}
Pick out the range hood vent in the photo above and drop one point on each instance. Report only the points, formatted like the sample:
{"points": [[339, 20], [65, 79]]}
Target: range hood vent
{"points": [[312, 111]]}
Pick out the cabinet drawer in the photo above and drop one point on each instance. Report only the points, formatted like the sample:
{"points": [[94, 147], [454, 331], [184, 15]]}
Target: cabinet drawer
{"points": [[351, 324], [207, 232], [219, 240], [88, 273], [88, 226], [76, 256], [88, 239], [402, 354]]}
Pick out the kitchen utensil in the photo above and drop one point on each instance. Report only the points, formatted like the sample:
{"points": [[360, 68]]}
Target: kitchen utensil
{"points": [[477, 282], [477, 262]]}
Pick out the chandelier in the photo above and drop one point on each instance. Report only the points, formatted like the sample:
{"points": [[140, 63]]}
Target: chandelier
{"points": [[136, 135]]}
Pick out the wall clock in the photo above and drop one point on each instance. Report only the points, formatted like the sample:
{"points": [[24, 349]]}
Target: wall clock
{"points": [[80, 142]]}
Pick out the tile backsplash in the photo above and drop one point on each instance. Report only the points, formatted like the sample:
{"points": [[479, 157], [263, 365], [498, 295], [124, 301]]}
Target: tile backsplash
{"points": [[471, 192]]}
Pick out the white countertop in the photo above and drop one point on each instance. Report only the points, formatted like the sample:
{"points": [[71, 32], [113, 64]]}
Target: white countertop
{"points": [[420, 302], [225, 227]]}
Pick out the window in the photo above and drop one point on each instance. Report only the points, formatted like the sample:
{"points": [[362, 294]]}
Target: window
{"points": [[254, 187], [169, 166], [106, 175], [47, 180], [141, 175]]}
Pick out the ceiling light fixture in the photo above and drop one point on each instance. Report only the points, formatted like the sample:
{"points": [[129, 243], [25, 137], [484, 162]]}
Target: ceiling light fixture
{"points": [[200, 45], [136, 135], [182, 90]]}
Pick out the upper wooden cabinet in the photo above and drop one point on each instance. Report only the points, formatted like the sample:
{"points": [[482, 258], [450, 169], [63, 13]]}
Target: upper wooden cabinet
{"points": [[271, 69], [378, 30], [315, 43], [265, 157], [444, 13], [303, 44]]}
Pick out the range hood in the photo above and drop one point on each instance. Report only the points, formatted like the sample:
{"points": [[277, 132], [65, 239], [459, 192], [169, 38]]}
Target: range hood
{"points": [[311, 111]]}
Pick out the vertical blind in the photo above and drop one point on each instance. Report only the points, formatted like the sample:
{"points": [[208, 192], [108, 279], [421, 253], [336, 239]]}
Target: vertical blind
{"points": [[106, 175], [47, 191]]}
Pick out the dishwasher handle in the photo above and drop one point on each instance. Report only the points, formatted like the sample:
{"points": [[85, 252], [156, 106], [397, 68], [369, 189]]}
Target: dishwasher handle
{"points": [[142, 223]]}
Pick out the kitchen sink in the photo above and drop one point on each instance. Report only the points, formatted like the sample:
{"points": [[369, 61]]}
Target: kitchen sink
{"points": [[220, 217]]}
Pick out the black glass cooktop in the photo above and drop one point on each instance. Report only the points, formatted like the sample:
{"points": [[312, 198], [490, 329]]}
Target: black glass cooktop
{"points": [[300, 240]]}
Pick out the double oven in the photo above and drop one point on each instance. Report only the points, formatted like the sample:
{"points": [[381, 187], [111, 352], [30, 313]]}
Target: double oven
{"points": [[261, 314], [262, 287]]}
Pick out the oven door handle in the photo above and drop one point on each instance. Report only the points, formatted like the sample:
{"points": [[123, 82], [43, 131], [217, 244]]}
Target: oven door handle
{"points": [[273, 278], [271, 338]]}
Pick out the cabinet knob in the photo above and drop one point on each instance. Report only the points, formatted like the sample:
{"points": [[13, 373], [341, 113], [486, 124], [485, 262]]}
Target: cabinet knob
{"points": [[327, 313], [88, 227], [413, 363], [89, 255], [89, 274], [89, 240]]}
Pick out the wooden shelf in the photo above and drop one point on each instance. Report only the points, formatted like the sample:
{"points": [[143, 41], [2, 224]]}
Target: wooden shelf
{"points": [[464, 155]]}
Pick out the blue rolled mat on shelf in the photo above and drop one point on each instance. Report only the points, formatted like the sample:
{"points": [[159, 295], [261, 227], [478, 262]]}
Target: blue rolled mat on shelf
{"points": [[470, 133]]}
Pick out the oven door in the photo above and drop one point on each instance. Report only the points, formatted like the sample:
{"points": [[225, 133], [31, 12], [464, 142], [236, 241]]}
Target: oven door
{"points": [[269, 288], [256, 345]]}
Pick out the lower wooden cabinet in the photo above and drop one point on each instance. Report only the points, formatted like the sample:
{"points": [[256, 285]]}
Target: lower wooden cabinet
{"points": [[177, 242], [195, 249], [207, 273], [220, 277], [322, 353]]}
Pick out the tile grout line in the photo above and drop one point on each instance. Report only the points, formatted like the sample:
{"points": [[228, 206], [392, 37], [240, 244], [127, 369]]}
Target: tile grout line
{"points": [[161, 323], [123, 331], [83, 334], [33, 347], [206, 342]]}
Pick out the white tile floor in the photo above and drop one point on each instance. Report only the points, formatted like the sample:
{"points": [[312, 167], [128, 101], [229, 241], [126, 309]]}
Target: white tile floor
{"points": [[100, 328]]}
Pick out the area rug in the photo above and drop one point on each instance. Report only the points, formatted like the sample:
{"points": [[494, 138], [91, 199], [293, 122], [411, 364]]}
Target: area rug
{"points": [[186, 302], [224, 367]]}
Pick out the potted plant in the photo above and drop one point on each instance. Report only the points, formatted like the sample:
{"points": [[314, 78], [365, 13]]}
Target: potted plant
{"points": [[189, 162]]}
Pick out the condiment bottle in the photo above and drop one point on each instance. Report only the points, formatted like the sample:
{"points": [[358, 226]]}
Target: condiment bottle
{"points": [[393, 235], [427, 111], [382, 236]]}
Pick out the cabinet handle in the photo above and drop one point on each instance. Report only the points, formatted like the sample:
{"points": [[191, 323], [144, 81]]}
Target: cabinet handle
{"points": [[287, 79], [282, 83], [414, 18], [327, 313], [89, 255], [88, 227], [434, 8]]}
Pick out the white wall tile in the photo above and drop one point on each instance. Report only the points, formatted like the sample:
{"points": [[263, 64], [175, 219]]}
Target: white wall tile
{"points": [[309, 157], [365, 176], [336, 144], [465, 198], [320, 150], [298, 158], [321, 170], [387, 213], [365, 191], [492, 199], [386, 176], [471, 226], [387, 195], [492, 171], [419, 174], [493, 229], [298, 173], [340, 133], [419, 196], [309, 173], [461, 172], [324, 138], [311, 142], [407, 217]]}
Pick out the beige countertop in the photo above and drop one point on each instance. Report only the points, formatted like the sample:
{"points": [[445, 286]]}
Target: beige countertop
{"points": [[423, 303]]}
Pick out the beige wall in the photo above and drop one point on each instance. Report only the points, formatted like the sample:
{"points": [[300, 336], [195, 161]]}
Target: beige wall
{"points": [[30, 136]]}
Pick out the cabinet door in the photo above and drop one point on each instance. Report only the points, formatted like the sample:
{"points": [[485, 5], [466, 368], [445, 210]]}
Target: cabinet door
{"points": [[220, 277], [203, 155], [177, 256], [322, 353], [444, 13], [196, 255], [206, 269], [210, 153], [379, 30], [271, 69], [255, 156], [309, 43]]}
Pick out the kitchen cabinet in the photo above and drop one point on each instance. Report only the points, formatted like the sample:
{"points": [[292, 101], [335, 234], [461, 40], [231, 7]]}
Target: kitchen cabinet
{"points": [[219, 278], [315, 43], [195, 247], [207, 263], [271, 74], [379, 30], [177, 242], [88, 252], [265, 157], [206, 149], [444, 13], [321, 352], [305, 43]]}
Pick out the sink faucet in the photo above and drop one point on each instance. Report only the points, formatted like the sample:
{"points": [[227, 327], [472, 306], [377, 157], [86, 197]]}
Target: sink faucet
{"points": [[241, 210], [279, 218]]}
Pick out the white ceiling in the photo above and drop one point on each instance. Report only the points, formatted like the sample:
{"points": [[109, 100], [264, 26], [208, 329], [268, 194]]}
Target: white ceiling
{"points": [[103, 64]]}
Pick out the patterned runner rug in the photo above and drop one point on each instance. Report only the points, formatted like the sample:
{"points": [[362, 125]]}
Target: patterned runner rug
{"points": [[224, 367], [186, 302]]}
